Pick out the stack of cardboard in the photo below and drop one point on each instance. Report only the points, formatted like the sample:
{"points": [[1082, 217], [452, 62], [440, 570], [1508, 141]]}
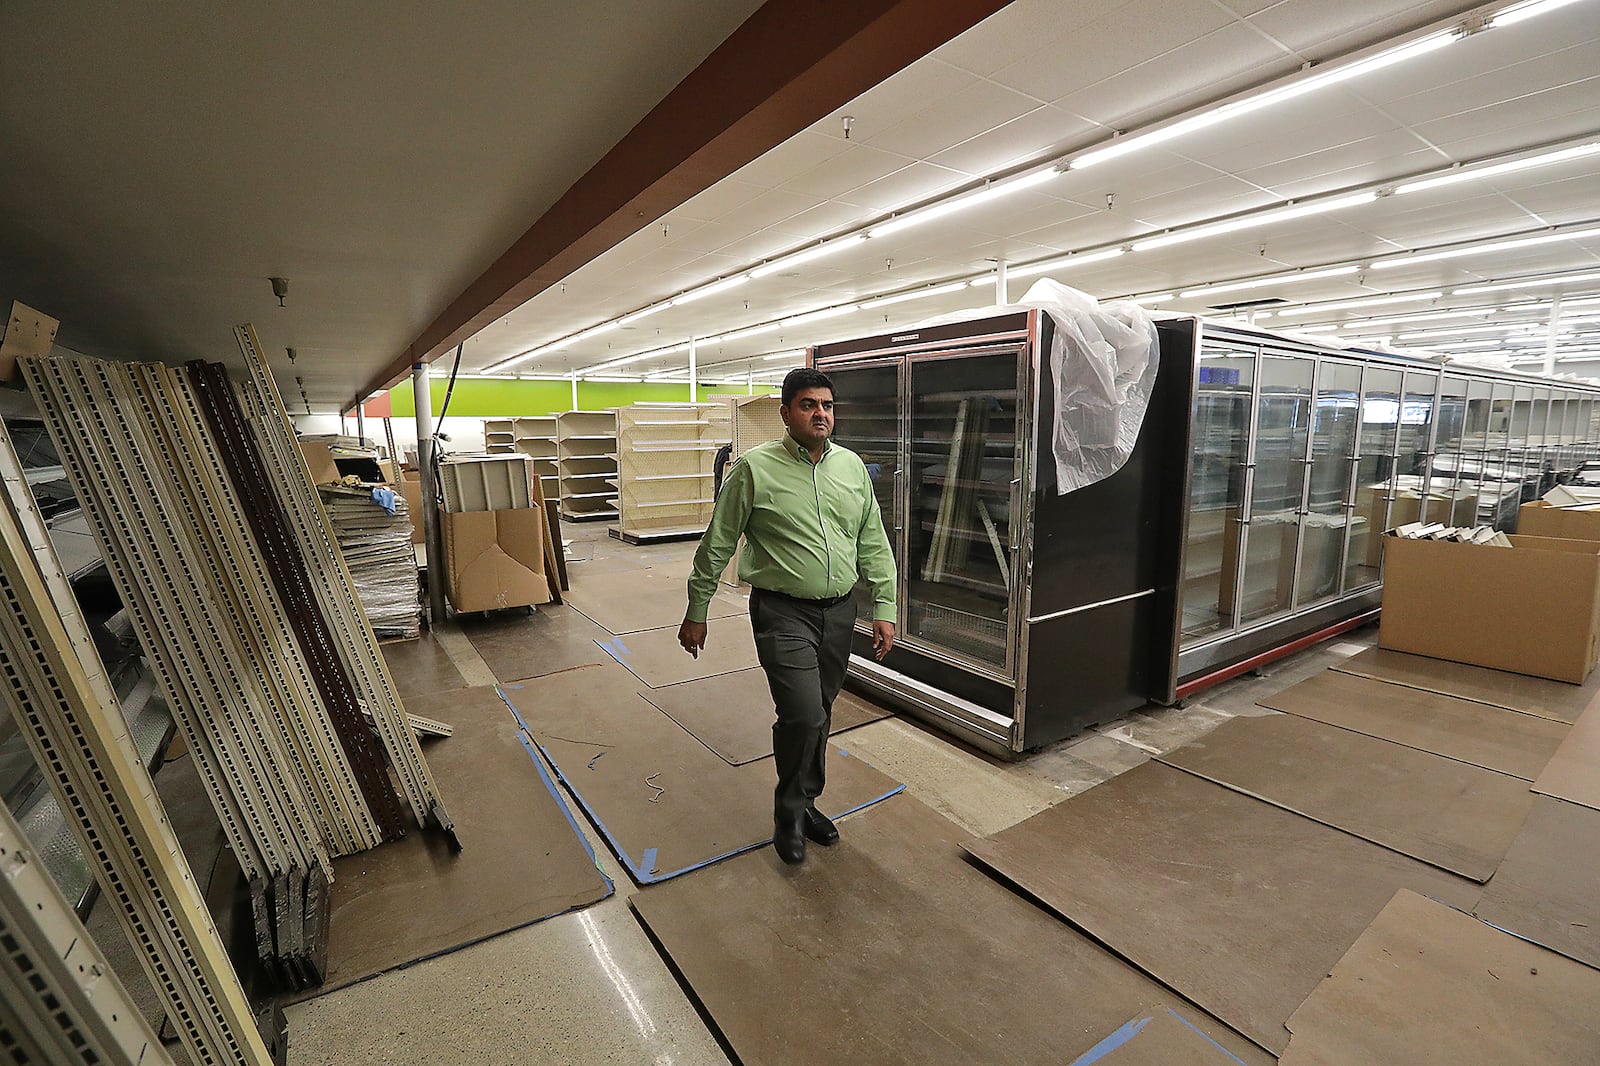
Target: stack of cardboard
{"points": [[373, 527]]}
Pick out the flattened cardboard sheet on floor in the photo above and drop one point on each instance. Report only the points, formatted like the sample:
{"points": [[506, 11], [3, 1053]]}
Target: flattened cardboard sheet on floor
{"points": [[633, 601], [665, 803], [522, 646], [1429, 986], [657, 659], [525, 859], [1548, 886], [1556, 700], [1240, 906], [420, 666], [1573, 773], [889, 948], [1458, 817], [732, 713], [1494, 738]]}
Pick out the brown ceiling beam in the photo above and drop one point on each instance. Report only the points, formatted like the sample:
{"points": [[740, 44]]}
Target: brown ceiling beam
{"points": [[789, 64]]}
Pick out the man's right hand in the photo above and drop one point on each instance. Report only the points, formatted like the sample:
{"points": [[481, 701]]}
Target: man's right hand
{"points": [[692, 635]]}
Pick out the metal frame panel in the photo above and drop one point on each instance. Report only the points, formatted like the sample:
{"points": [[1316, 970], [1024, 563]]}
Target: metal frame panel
{"points": [[55, 688], [358, 647]]}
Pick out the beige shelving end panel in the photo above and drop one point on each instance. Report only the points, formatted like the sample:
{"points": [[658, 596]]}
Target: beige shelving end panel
{"points": [[498, 435], [535, 437], [586, 461], [755, 421], [665, 471]]}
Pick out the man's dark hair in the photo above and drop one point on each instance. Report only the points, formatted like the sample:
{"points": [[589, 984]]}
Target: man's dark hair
{"points": [[797, 381]]}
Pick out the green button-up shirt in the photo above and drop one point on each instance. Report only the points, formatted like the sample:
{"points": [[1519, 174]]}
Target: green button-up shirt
{"points": [[809, 529]]}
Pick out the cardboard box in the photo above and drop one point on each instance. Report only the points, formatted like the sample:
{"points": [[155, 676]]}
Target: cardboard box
{"points": [[411, 488], [1533, 608], [319, 458], [495, 559], [1539, 519]]}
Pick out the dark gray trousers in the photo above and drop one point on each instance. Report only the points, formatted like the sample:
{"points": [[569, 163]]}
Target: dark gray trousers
{"points": [[804, 646]]}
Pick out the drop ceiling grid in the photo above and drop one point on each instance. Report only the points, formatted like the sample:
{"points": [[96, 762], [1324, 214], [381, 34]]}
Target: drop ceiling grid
{"points": [[1226, 172]]}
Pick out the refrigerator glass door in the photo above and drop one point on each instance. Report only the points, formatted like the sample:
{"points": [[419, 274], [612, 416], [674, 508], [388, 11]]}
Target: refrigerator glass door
{"points": [[1282, 437], [1218, 469], [1335, 418], [963, 476], [1375, 466], [866, 419]]}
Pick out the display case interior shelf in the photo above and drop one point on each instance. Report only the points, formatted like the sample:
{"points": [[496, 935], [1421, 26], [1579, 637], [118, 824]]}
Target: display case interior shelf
{"points": [[585, 463], [665, 467]]}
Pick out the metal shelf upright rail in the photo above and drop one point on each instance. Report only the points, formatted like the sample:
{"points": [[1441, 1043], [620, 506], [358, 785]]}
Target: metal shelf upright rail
{"points": [[358, 648], [54, 685]]}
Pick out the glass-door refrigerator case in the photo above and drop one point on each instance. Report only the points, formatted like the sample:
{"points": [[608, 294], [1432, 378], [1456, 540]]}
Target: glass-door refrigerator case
{"points": [[1024, 616]]}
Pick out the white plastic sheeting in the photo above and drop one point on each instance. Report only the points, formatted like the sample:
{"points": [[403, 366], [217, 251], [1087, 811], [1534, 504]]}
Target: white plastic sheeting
{"points": [[1103, 360]]}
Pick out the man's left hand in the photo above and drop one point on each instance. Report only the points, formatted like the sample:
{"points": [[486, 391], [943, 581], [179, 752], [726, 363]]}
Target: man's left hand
{"points": [[882, 639]]}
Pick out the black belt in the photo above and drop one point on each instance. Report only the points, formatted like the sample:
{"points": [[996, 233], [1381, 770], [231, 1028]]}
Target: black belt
{"points": [[831, 601]]}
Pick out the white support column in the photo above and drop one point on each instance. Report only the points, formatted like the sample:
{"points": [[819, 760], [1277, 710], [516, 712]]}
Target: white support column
{"points": [[1000, 283], [694, 373], [575, 390], [1550, 334], [433, 548], [750, 382]]}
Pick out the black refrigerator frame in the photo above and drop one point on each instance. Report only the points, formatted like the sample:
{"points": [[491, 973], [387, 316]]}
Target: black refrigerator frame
{"points": [[1095, 612]]}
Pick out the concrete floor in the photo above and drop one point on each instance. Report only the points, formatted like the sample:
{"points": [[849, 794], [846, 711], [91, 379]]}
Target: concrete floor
{"points": [[590, 988]]}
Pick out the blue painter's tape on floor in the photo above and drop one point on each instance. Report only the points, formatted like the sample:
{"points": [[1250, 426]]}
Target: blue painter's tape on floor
{"points": [[501, 690], [1231, 1057], [623, 648], [649, 860], [566, 812], [1128, 1031]]}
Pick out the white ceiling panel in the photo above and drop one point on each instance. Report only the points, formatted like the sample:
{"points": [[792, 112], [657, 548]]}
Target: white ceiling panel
{"points": [[1574, 66], [1018, 30], [1318, 29], [891, 102], [905, 186], [1044, 132], [717, 201], [859, 165], [1117, 40], [977, 109]]}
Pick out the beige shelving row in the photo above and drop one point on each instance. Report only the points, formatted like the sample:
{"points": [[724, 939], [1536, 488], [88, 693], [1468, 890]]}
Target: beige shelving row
{"points": [[665, 467], [586, 464]]}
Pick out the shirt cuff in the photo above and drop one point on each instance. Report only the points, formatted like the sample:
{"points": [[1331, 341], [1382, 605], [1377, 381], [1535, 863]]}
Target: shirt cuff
{"points": [[697, 611], [884, 612]]}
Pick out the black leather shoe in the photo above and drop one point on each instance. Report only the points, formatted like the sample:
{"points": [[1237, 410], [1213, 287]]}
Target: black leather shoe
{"points": [[789, 840], [819, 828]]}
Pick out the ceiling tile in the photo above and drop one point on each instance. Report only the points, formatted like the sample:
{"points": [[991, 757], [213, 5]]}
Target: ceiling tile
{"points": [[718, 200], [976, 109], [800, 153], [906, 186], [1045, 132], [1018, 30], [846, 172], [915, 89]]}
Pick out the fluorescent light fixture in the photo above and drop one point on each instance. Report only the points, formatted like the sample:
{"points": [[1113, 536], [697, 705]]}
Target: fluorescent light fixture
{"points": [[1158, 298], [816, 252], [1313, 329], [820, 314], [915, 294], [586, 376], [1527, 163], [1526, 10], [992, 191], [1275, 279], [593, 331], [711, 290], [1299, 87], [1450, 331], [643, 312], [751, 331], [1426, 316], [1076, 259], [1547, 281], [525, 356], [1365, 301], [1254, 219], [1489, 246], [798, 353]]}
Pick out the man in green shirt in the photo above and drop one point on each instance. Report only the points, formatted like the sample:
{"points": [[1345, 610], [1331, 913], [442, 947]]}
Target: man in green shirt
{"points": [[811, 527]]}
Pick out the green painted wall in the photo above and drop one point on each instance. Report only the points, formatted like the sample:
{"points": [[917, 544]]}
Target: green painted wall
{"points": [[484, 398]]}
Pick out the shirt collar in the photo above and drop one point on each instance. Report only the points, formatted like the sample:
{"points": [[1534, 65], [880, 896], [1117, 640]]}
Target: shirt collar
{"points": [[798, 450]]}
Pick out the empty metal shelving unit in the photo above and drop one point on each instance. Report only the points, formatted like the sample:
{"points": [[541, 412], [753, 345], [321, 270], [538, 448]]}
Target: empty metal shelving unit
{"points": [[665, 453], [586, 458]]}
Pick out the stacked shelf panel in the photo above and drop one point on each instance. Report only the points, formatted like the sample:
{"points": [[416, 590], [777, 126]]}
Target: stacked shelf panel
{"points": [[535, 437], [665, 473], [586, 462]]}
